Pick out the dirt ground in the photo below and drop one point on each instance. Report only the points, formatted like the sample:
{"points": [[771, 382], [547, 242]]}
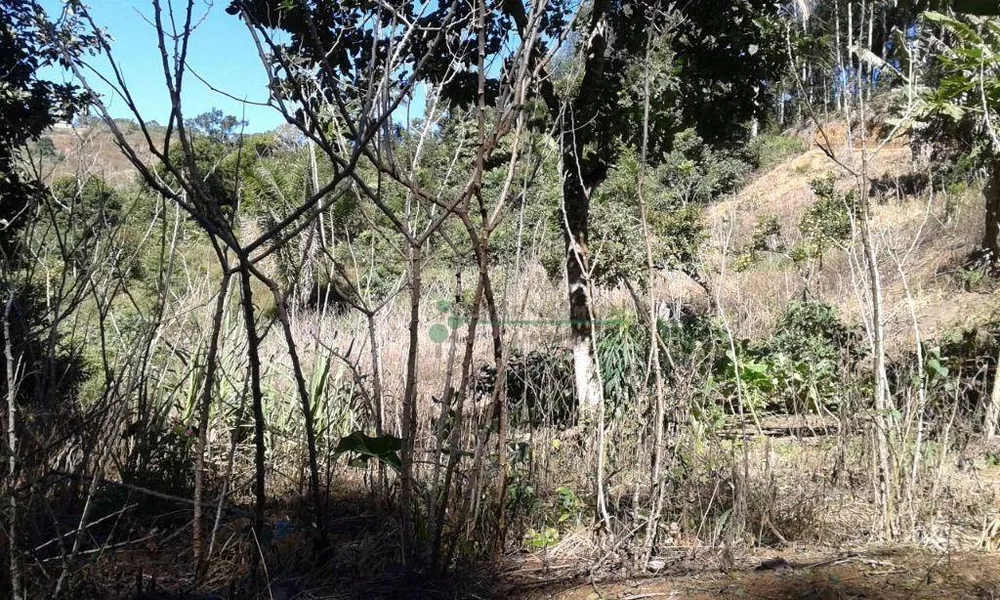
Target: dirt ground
{"points": [[885, 575]]}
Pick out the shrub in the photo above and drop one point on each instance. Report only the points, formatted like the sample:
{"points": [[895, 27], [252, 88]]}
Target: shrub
{"points": [[622, 348], [540, 388], [802, 365], [769, 150]]}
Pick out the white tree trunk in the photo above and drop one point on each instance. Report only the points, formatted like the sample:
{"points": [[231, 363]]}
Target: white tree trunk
{"points": [[588, 385]]}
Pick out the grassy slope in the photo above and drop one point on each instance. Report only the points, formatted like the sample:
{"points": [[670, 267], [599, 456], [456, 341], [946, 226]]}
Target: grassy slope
{"points": [[930, 233]]}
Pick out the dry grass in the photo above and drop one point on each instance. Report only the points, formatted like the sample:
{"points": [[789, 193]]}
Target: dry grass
{"points": [[93, 151], [930, 235]]}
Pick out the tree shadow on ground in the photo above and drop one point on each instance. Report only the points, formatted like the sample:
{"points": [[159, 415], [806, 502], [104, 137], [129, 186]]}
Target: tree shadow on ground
{"points": [[154, 560]]}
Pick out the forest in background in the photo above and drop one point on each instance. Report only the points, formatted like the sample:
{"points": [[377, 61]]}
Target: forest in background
{"points": [[644, 282]]}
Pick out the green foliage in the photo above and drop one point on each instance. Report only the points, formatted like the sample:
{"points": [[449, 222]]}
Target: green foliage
{"points": [[975, 278], [828, 222], [824, 225], [569, 504], [622, 348], [92, 201], [384, 448], [802, 365], [29, 104], [676, 191], [958, 369], [769, 150], [694, 172], [217, 181], [726, 52], [162, 455], [961, 99], [709, 74], [814, 331], [45, 148], [544, 538], [764, 238], [216, 125]]}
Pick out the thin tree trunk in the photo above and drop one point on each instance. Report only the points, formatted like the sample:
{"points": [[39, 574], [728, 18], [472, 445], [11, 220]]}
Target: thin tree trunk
{"points": [[883, 421], [12, 531], [448, 395], [257, 395], [454, 455], [841, 75], [577, 209], [300, 383], [656, 485], [991, 194], [871, 33], [578, 178], [200, 561], [409, 421], [376, 375]]}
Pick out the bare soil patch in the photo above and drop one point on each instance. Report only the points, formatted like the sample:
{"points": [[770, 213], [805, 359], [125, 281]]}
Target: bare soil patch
{"points": [[896, 574]]}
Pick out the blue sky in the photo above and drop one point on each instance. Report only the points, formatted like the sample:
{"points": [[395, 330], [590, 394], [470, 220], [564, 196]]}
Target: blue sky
{"points": [[221, 51]]}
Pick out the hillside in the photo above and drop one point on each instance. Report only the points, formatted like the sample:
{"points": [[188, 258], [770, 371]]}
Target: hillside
{"points": [[802, 496], [92, 151], [923, 238]]}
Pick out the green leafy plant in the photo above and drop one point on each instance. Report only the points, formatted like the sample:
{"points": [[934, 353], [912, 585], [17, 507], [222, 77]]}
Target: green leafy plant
{"points": [[802, 365], [621, 349], [384, 448], [827, 223], [542, 538], [570, 505]]}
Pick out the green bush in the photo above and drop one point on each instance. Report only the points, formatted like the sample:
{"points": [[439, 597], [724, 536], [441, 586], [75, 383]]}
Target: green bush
{"points": [[45, 148], [802, 365], [770, 150], [622, 348]]}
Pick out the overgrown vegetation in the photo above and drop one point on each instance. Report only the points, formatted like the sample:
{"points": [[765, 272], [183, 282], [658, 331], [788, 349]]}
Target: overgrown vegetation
{"points": [[541, 316]]}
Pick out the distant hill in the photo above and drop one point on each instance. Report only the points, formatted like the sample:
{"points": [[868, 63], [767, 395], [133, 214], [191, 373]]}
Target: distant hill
{"points": [[91, 149]]}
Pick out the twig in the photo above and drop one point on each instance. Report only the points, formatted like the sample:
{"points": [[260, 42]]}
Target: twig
{"points": [[85, 527], [160, 495]]}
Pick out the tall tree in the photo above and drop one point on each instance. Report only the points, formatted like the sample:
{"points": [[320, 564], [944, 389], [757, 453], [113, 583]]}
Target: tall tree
{"points": [[28, 104]]}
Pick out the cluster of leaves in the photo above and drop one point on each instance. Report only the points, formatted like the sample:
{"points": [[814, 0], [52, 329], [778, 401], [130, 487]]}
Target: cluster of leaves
{"points": [[161, 455], [827, 223], [676, 191], [618, 247], [91, 202], [362, 448], [801, 366], [764, 238], [47, 149], [216, 125], [956, 111], [958, 369], [622, 348]]}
